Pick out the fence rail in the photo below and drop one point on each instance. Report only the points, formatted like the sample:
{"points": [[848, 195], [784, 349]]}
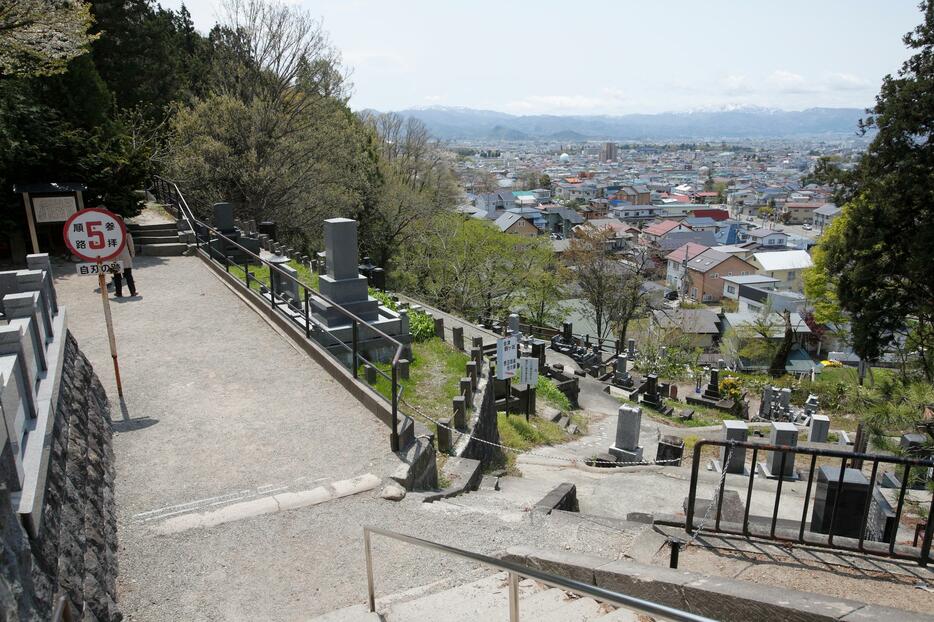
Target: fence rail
{"points": [[833, 537], [207, 243]]}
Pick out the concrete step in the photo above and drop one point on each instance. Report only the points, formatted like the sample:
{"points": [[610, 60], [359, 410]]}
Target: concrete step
{"points": [[172, 249], [463, 475], [620, 615]]}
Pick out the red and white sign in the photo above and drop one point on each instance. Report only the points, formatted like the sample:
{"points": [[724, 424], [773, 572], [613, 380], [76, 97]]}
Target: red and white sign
{"points": [[95, 234]]}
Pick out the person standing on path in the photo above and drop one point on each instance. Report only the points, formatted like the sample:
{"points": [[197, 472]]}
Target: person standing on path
{"points": [[126, 256]]}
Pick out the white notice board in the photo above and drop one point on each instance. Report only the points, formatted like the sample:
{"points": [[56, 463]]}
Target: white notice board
{"points": [[54, 209], [507, 355]]}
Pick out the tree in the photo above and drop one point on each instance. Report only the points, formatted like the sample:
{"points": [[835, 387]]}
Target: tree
{"points": [[275, 135], [40, 37], [880, 260], [469, 266], [611, 290], [543, 297]]}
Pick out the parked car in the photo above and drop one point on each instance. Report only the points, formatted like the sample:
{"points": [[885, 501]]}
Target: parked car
{"points": [[807, 227], [672, 295]]}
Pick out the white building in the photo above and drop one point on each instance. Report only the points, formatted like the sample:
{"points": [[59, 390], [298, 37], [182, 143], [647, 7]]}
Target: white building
{"points": [[786, 266]]}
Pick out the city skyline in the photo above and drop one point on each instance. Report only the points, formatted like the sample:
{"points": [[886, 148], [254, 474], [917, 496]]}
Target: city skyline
{"points": [[603, 60]]}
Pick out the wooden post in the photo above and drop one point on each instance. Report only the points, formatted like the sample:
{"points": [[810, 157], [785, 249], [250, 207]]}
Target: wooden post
{"points": [[102, 282], [27, 200]]}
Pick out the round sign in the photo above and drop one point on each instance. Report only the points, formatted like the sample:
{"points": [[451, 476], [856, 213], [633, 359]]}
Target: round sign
{"points": [[95, 234]]}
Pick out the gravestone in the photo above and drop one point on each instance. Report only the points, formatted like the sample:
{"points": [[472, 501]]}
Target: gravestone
{"points": [[880, 523], [786, 434], [820, 428], [850, 497], [811, 405], [712, 392], [734, 431], [567, 332], [513, 323], [765, 407], [224, 218], [628, 425], [342, 284], [631, 349], [670, 450], [282, 284]]}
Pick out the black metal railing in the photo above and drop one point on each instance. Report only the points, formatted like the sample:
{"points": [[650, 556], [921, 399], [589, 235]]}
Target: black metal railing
{"points": [[208, 241], [887, 546]]}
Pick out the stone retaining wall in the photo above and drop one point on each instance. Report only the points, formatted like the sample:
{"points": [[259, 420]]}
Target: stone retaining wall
{"points": [[75, 550]]}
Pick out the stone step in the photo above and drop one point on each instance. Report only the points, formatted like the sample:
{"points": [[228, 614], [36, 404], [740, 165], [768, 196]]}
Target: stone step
{"points": [[486, 599], [168, 238], [356, 613], [172, 249], [153, 229], [572, 609], [464, 475]]}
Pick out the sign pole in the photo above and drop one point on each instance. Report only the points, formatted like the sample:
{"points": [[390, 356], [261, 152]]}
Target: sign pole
{"points": [[508, 394], [102, 281]]}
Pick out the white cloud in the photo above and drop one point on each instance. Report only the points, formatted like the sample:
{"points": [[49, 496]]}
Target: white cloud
{"points": [[433, 99], [735, 84], [847, 82], [782, 81]]}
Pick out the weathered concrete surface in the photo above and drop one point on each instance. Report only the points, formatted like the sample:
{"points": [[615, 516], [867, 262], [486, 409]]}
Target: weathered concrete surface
{"points": [[219, 408]]}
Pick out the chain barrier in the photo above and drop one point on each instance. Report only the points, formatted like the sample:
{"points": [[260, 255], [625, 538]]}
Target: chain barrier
{"points": [[568, 459]]}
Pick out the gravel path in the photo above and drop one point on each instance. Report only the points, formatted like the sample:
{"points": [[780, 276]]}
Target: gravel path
{"points": [[218, 406]]}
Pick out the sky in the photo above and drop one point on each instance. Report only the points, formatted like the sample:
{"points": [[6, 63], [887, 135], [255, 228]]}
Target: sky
{"points": [[610, 57]]}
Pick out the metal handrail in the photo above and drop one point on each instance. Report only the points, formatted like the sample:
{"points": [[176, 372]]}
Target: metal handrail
{"points": [[193, 223], [518, 570]]}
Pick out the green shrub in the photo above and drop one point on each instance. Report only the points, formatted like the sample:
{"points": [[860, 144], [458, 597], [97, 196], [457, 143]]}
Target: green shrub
{"points": [[421, 325]]}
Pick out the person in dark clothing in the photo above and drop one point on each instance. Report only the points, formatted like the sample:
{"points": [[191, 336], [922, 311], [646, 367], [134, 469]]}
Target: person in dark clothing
{"points": [[126, 256]]}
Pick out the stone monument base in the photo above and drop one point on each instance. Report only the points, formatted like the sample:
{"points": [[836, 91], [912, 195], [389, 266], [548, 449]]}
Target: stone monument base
{"points": [[626, 455], [764, 470]]}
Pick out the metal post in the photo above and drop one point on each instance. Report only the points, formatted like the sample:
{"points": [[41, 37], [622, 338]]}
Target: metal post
{"points": [[307, 314], [513, 597], [370, 593], [353, 362], [675, 545], [394, 438]]}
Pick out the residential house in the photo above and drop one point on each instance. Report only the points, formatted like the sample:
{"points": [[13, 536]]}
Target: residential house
{"points": [[621, 236], [786, 266], [749, 325], [826, 214], [732, 283], [654, 232], [799, 213], [701, 223], [495, 203], [704, 272], [634, 213], [637, 194], [676, 239], [513, 223], [677, 263], [716, 213], [561, 219], [701, 326], [764, 237]]}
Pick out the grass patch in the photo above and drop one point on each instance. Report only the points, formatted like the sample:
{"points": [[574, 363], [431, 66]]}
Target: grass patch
{"points": [[548, 391], [434, 378], [522, 435], [259, 274]]}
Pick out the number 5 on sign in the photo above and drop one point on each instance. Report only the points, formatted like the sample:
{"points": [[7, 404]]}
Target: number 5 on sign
{"points": [[98, 236]]}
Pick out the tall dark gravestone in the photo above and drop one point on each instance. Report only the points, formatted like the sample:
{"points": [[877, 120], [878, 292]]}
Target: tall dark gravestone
{"points": [[852, 494]]}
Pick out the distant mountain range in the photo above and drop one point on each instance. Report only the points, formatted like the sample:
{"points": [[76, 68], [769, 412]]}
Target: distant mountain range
{"points": [[465, 123]]}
